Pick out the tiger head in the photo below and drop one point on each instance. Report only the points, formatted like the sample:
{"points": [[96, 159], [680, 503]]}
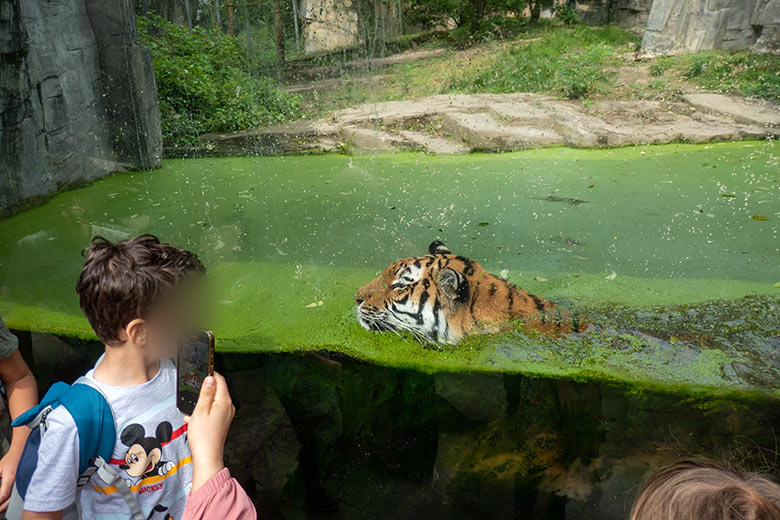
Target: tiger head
{"points": [[441, 297]]}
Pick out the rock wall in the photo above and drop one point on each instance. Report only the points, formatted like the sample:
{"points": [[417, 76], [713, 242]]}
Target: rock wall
{"points": [[77, 96], [329, 25], [631, 15], [682, 26]]}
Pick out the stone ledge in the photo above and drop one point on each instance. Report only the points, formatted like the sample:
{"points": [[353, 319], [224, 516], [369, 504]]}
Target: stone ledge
{"points": [[757, 113], [505, 122]]}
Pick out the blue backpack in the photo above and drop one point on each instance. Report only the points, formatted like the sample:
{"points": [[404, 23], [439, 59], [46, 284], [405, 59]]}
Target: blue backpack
{"points": [[97, 434]]}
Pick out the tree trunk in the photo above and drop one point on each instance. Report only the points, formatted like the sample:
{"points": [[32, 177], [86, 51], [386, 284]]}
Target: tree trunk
{"points": [[188, 14], [217, 15], [476, 12], [278, 30], [536, 10], [297, 29], [230, 17], [247, 29], [400, 19]]}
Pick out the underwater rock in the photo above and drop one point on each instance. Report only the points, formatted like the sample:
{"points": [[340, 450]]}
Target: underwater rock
{"points": [[480, 397], [262, 448]]}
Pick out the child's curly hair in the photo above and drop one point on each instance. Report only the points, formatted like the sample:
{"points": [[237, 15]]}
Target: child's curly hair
{"points": [[123, 281], [691, 489]]}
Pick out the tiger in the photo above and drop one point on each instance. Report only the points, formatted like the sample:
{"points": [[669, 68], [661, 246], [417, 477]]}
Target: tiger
{"points": [[442, 297]]}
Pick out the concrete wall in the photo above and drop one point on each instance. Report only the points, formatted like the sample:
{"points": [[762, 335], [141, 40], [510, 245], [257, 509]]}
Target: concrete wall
{"points": [[77, 96], [683, 26]]}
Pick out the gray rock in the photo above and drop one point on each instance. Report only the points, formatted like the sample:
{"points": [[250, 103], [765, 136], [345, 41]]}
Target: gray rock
{"points": [[480, 397], [57, 128], [749, 112], [369, 140], [262, 444], [503, 122], [434, 144], [628, 14], [132, 113], [682, 26]]}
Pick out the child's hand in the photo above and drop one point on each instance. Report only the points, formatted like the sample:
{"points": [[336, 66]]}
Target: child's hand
{"points": [[207, 429], [7, 476]]}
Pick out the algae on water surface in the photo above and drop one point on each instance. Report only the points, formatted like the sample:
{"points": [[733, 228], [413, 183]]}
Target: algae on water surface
{"points": [[289, 239]]}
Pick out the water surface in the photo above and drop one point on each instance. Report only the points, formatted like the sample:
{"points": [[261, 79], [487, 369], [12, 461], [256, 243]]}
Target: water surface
{"points": [[623, 234]]}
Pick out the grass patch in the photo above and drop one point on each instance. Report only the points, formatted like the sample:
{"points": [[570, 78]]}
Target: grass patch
{"points": [[488, 62], [744, 73], [569, 62], [507, 55]]}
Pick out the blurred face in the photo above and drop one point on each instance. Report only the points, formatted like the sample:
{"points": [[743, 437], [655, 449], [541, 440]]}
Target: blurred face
{"points": [[181, 312]]}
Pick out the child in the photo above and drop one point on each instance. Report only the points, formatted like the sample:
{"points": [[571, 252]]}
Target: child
{"points": [[133, 294], [22, 395], [702, 490]]}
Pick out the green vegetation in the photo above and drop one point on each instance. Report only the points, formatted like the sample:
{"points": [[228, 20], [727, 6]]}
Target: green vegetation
{"points": [[513, 55], [566, 61], [745, 73], [204, 84], [227, 77]]}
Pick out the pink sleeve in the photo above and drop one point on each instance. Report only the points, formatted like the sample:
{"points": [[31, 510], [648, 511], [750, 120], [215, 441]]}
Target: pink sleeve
{"points": [[221, 497]]}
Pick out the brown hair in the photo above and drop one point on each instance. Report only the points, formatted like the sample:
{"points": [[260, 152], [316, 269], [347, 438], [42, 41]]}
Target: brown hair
{"points": [[692, 489], [124, 281]]}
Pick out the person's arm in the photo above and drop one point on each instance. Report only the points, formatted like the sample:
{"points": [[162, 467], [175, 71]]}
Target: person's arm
{"points": [[220, 497], [22, 393], [214, 494], [53, 484], [32, 515], [207, 429]]}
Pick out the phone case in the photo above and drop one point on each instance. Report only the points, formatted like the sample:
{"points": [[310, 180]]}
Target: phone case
{"points": [[185, 401]]}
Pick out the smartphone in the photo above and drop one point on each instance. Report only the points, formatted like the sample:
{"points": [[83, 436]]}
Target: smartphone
{"points": [[195, 362]]}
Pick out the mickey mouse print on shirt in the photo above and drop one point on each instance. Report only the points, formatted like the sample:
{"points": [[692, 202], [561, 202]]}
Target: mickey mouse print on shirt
{"points": [[144, 456]]}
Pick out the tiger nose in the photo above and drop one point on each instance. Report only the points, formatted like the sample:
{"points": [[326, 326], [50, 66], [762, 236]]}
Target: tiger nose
{"points": [[358, 300]]}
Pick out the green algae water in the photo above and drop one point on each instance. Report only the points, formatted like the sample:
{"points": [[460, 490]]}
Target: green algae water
{"points": [[671, 250]]}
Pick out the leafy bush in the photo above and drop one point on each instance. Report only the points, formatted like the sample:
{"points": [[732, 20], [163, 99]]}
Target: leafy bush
{"points": [[566, 14], [569, 62], [203, 84]]}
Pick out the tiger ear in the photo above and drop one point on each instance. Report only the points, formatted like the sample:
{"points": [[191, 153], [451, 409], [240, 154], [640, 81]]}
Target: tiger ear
{"points": [[437, 247], [454, 285]]}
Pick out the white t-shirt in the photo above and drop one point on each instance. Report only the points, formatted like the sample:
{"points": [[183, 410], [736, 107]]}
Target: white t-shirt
{"points": [[151, 454]]}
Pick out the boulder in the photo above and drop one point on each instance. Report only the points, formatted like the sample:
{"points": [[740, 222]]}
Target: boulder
{"points": [[77, 97], [683, 26]]}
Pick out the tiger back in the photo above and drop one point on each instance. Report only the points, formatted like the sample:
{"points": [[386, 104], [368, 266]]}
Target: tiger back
{"points": [[442, 297]]}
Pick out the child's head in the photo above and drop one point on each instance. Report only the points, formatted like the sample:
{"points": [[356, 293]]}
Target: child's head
{"points": [[130, 291], [702, 490]]}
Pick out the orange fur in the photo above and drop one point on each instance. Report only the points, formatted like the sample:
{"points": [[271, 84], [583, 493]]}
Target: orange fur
{"points": [[444, 297]]}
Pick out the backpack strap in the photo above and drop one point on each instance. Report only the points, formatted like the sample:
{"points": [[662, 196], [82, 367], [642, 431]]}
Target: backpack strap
{"points": [[94, 421], [96, 426], [33, 417], [111, 477], [104, 448]]}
